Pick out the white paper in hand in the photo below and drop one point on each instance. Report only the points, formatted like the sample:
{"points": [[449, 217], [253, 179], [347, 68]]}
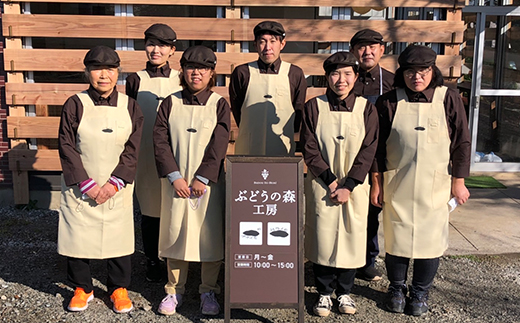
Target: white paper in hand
{"points": [[453, 204]]}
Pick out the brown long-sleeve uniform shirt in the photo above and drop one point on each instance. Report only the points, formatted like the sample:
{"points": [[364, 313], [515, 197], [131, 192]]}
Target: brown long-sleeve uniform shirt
{"points": [[216, 149], [311, 150], [133, 81], [240, 81], [73, 170], [368, 82], [460, 147]]}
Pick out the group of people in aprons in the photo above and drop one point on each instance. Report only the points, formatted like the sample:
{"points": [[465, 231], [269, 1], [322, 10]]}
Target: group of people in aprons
{"points": [[372, 142]]}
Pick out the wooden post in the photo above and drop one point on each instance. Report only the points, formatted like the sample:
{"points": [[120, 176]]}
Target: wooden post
{"points": [[232, 47], [452, 48], [20, 178]]}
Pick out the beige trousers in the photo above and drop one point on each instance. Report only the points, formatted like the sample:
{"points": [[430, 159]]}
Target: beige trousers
{"points": [[178, 275]]}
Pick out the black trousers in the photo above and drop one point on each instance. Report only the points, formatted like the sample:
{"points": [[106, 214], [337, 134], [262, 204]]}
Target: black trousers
{"points": [[372, 240], [119, 273], [329, 278], [150, 234], [424, 271]]}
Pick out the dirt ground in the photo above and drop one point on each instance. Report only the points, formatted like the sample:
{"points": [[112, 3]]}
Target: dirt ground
{"points": [[34, 288]]}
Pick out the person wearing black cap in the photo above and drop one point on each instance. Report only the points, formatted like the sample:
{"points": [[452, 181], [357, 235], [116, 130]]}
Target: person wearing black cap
{"points": [[99, 138], [149, 87], [422, 159], [368, 46], [190, 140], [339, 133], [267, 97]]}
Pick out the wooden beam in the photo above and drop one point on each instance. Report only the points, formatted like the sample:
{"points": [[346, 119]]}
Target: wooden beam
{"points": [[32, 127], [286, 3], [437, 31], [57, 93], [72, 61], [34, 160]]}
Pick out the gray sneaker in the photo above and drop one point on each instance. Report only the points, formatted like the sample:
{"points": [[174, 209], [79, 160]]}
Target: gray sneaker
{"points": [[346, 304], [209, 304], [323, 306]]}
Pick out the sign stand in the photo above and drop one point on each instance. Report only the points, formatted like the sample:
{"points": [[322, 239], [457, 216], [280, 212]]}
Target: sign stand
{"points": [[264, 234]]}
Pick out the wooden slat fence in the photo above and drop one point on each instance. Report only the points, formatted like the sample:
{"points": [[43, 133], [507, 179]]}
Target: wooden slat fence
{"points": [[231, 30]]}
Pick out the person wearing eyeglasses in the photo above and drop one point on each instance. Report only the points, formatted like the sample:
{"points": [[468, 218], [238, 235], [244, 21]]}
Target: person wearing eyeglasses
{"points": [[339, 133], [422, 159], [190, 141], [368, 46], [267, 97], [149, 87]]}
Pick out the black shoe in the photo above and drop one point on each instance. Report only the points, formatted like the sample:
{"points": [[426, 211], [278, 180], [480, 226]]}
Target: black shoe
{"points": [[417, 302], [153, 271], [368, 273], [396, 298]]}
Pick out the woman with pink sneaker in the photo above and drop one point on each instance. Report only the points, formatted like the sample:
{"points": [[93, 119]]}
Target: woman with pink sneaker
{"points": [[190, 137], [99, 138]]}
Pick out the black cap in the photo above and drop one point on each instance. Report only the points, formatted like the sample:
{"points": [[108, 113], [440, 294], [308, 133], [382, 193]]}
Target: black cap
{"points": [[161, 32], [199, 55], [101, 56], [269, 27], [417, 56], [340, 58], [366, 36]]}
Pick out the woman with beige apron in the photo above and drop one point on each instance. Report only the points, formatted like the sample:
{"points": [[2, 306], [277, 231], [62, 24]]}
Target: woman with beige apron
{"points": [[190, 137], [422, 159], [99, 137], [149, 87], [339, 143]]}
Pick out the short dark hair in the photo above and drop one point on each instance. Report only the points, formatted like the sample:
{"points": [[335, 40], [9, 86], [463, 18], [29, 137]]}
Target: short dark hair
{"points": [[211, 83], [278, 37], [437, 79], [332, 68]]}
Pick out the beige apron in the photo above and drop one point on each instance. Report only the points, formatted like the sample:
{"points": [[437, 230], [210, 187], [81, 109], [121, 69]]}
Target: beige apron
{"points": [[192, 229], [335, 235], [86, 229], [267, 121], [417, 185], [152, 91]]}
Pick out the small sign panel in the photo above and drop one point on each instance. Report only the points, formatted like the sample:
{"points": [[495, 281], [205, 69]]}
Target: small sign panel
{"points": [[279, 233], [250, 233]]}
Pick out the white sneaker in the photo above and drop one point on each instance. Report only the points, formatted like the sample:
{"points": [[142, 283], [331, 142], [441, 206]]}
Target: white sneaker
{"points": [[169, 304], [346, 304], [323, 306]]}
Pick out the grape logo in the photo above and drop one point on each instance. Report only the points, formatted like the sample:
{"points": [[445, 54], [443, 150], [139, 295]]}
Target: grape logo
{"points": [[265, 174]]}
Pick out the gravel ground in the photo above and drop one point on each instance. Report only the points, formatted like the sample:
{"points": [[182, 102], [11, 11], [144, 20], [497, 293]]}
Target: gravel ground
{"points": [[34, 288]]}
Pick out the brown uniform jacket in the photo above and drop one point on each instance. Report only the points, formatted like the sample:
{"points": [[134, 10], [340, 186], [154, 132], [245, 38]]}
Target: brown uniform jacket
{"points": [[311, 150], [216, 149], [368, 82], [73, 171], [133, 81], [460, 147]]}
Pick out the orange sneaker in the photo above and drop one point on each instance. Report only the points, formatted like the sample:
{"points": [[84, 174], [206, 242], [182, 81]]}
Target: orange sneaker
{"points": [[122, 304], [80, 300]]}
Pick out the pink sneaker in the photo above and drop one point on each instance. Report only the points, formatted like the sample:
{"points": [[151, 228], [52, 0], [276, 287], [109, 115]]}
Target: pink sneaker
{"points": [[170, 303]]}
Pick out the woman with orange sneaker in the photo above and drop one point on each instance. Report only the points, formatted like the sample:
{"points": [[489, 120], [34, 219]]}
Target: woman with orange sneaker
{"points": [[190, 137], [99, 138]]}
